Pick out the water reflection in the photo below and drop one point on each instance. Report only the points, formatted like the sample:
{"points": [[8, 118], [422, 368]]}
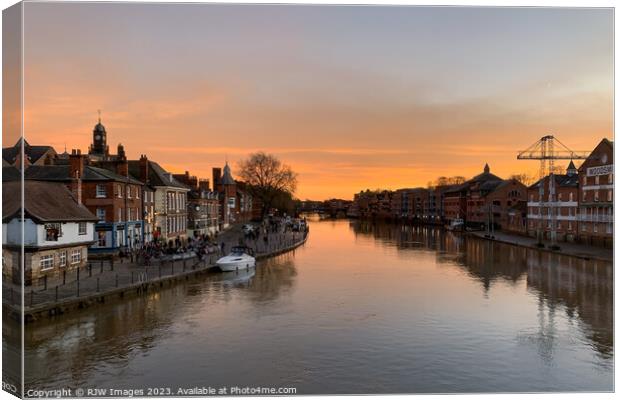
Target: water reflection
{"points": [[361, 308], [584, 288]]}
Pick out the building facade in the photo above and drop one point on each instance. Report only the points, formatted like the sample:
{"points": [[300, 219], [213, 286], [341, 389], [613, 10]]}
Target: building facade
{"points": [[57, 231], [170, 200], [596, 187], [558, 213]]}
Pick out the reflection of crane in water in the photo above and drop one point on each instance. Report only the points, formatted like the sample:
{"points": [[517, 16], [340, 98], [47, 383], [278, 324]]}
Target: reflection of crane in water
{"points": [[548, 149]]}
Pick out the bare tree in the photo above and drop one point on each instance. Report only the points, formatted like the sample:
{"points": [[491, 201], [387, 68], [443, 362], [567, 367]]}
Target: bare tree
{"points": [[524, 178], [268, 178]]}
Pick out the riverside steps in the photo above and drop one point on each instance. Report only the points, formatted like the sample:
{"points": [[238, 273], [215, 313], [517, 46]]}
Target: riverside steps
{"points": [[107, 280]]}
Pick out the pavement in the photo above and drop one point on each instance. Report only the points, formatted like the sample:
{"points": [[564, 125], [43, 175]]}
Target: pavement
{"points": [[573, 249], [104, 276]]}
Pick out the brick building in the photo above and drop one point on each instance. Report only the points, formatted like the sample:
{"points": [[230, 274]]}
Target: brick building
{"points": [[114, 197], [596, 186], [170, 200], [203, 206], [540, 220]]}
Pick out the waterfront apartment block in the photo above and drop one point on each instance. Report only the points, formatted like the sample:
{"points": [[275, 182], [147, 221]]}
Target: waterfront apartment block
{"points": [[596, 191], [57, 231], [560, 194]]}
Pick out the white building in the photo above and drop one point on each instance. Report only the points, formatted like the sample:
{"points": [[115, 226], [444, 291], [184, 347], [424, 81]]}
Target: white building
{"points": [[57, 231]]}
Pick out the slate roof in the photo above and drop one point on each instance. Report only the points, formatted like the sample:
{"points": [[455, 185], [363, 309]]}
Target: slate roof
{"points": [[61, 173], [227, 178], [43, 202], [560, 181], [33, 153], [157, 175]]}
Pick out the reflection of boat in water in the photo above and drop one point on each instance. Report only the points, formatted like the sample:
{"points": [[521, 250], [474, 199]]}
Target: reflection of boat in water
{"points": [[240, 257], [456, 225], [238, 278]]}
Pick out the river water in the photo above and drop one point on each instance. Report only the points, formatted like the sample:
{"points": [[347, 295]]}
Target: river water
{"points": [[360, 308]]}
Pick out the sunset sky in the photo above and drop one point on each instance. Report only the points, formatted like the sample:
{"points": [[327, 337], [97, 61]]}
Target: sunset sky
{"points": [[350, 97]]}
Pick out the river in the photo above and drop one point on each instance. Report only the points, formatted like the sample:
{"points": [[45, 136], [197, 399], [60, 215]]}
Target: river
{"points": [[360, 308]]}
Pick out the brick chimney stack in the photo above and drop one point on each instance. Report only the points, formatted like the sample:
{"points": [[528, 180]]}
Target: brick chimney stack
{"points": [[122, 167], [144, 168], [203, 184], [217, 177], [76, 169]]}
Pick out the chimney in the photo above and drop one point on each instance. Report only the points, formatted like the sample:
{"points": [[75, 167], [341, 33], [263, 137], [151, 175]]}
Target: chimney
{"points": [[121, 152], [122, 167], [217, 176], [144, 168], [203, 184], [76, 170]]}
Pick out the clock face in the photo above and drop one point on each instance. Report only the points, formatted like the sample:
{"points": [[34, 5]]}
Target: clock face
{"points": [[97, 137]]}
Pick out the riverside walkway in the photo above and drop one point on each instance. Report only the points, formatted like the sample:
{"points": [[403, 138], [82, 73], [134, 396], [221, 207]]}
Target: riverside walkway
{"points": [[100, 281], [570, 249]]}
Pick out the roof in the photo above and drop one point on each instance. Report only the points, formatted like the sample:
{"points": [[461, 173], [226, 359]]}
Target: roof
{"points": [[10, 174], [43, 202], [157, 175], [605, 145], [61, 173], [560, 181], [33, 153], [227, 178]]}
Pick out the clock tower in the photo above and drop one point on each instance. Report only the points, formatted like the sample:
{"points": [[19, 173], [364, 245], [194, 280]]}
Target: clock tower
{"points": [[99, 148]]}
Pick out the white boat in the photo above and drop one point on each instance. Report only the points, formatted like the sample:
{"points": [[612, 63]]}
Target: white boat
{"points": [[240, 257]]}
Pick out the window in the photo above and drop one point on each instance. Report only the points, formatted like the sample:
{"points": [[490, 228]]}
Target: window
{"points": [[570, 197], [76, 256], [531, 197], [47, 262], [596, 195], [610, 195], [62, 257], [137, 193], [129, 192], [101, 214], [610, 179], [595, 227], [101, 191], [559, 196], [583, 196], [570, 226], [82, 228], [585, 180], [119, 191], [101, 239], [596, 180], [52, 232], [120, 214]]}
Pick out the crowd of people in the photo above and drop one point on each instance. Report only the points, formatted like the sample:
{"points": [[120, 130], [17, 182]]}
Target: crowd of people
{"points": [[203, 246]]}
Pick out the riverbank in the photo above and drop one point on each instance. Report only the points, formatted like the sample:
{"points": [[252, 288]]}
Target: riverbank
{"points": [[125, 280], [571, 249]]}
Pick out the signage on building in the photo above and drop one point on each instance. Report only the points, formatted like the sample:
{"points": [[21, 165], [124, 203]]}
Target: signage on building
{"points": [[601, 170]]}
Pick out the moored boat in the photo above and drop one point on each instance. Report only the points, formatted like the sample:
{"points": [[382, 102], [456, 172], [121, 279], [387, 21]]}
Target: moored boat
{"points": [[240, 257]]}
